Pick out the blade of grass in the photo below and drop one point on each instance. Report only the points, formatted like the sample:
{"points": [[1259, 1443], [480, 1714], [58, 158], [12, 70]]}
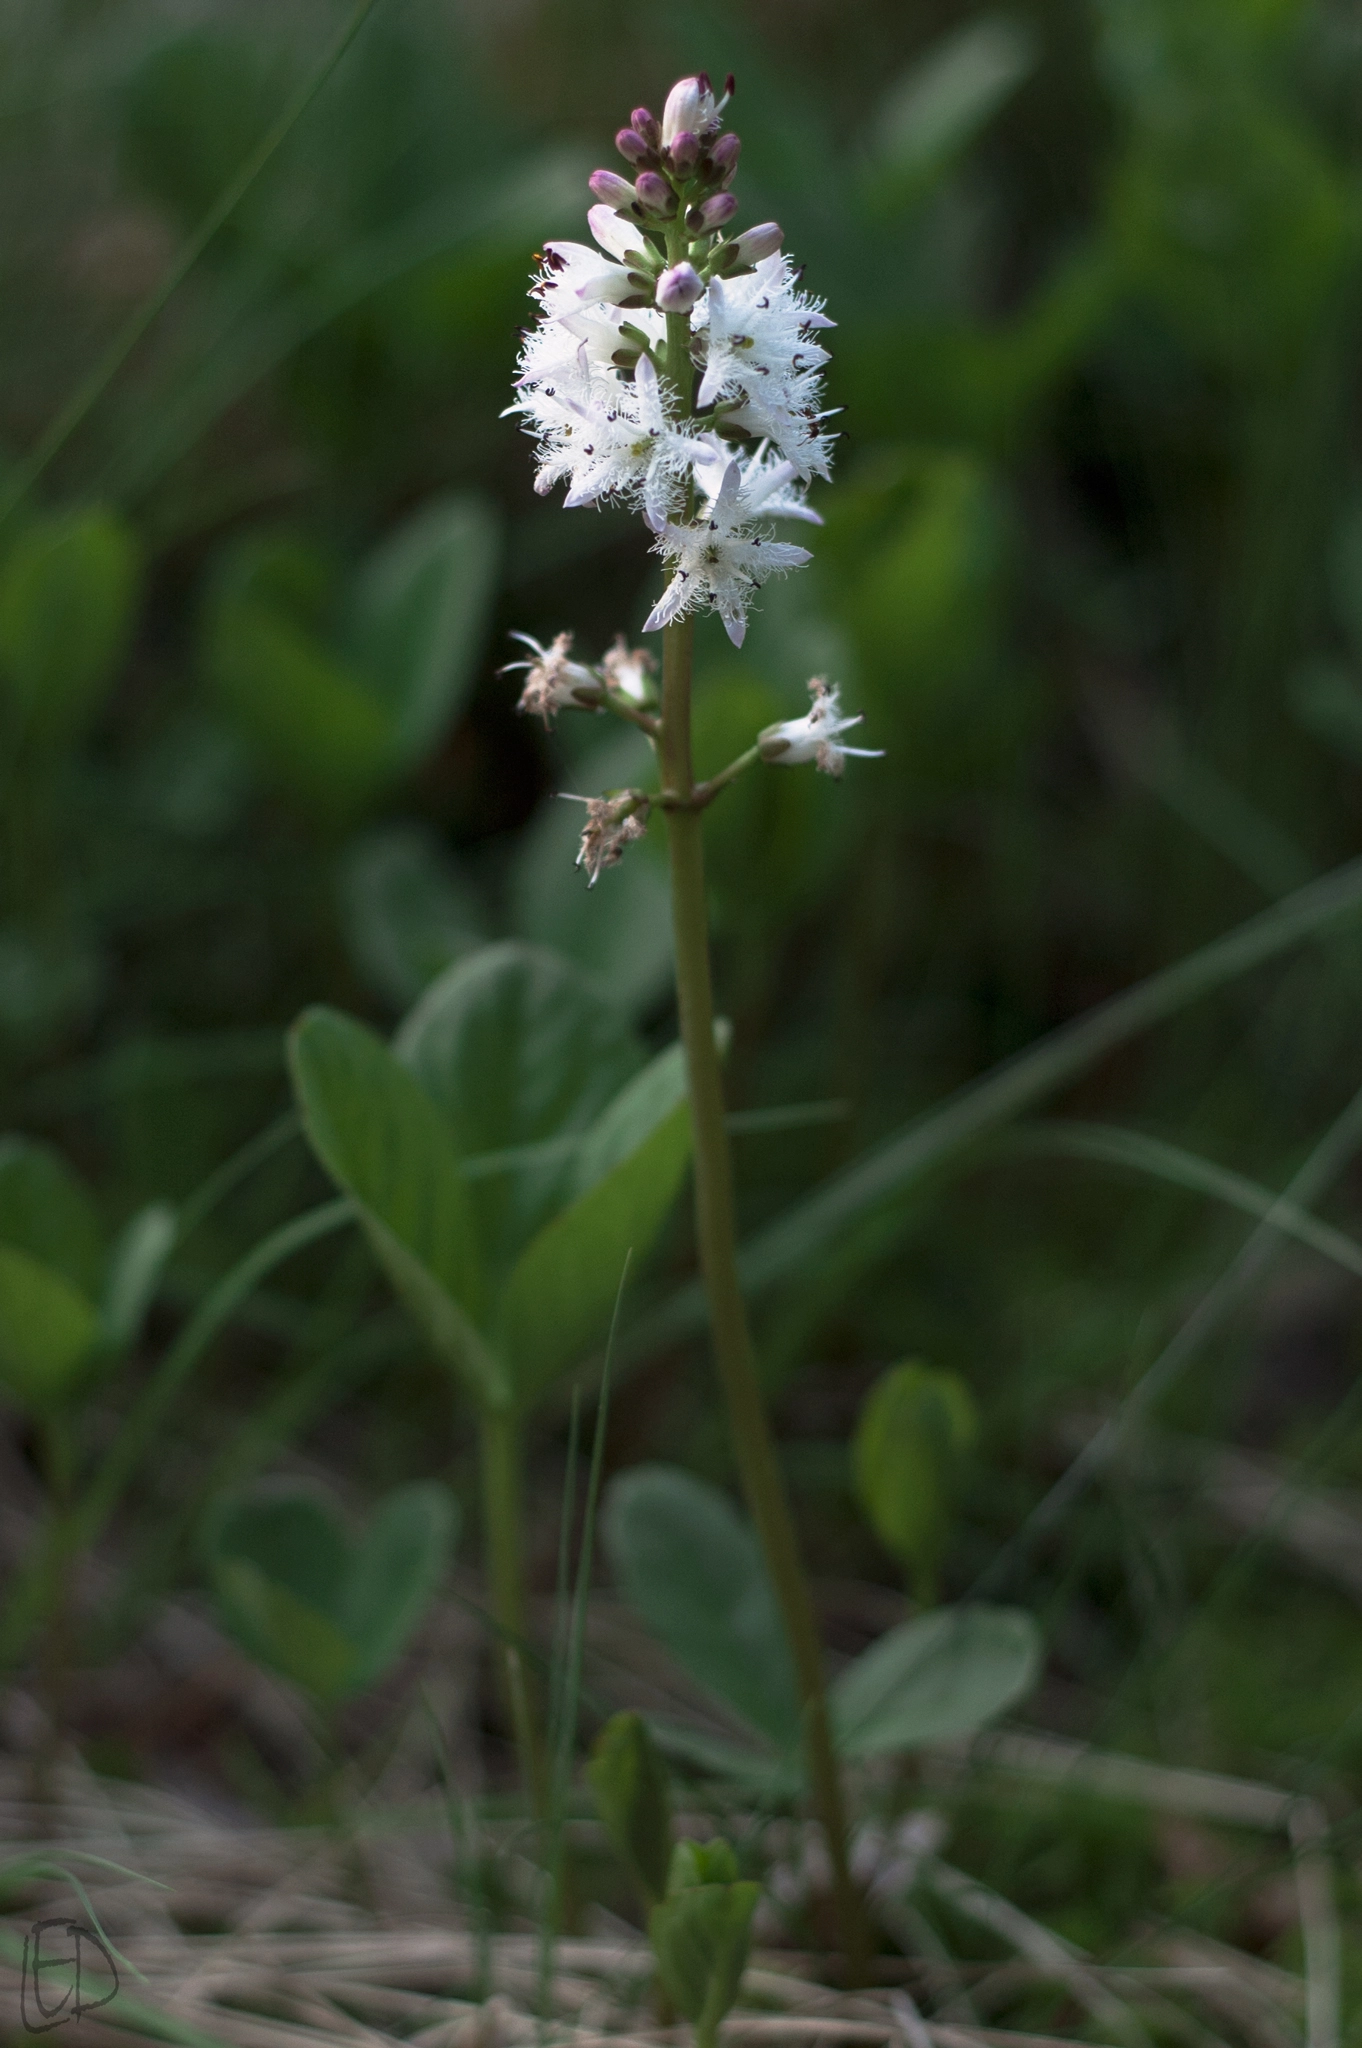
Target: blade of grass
{"points": [[467, 1854], [510, 209], [92, 388], [1325, 1161], [571, 1690], [803, 1233], [1109, 1145], [223, 1179]]}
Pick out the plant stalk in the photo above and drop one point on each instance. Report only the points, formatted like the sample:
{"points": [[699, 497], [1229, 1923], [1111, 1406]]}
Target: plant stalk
{"points": [[503, 1519], [760, 1471]]}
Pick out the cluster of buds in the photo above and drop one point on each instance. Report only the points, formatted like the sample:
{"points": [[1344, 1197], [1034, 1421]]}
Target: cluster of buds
{"points": [[676, 367], [682, 153]]}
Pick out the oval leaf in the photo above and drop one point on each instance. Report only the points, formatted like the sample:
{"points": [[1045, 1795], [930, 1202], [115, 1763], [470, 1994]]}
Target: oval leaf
{"points": [[313, 724], [419, 616], [396, 1574], [380, 1137], [517, 1048], [935, 1678], [331, 1613], [67, 592], [563, 1286], [688, 1562], [46, 1210], [48, 1332]]}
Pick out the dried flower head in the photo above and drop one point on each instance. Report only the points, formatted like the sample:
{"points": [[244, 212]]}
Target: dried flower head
{"points": [[612, 823], [553, 681]]}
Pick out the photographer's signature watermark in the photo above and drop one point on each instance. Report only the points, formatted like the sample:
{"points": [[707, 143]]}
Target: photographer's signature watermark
{"points": [[67, 1971]]}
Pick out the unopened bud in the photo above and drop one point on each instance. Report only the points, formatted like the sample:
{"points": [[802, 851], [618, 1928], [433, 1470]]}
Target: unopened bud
{"points": [[690, 105], [632, 146], [755, 243], [613, 190], [724, 157], [684, 153], [644, 123], [714, 213], [655, 195], [679, 288]]}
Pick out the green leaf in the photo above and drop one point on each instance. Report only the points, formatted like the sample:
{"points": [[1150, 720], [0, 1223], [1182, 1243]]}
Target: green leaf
{"points": [[313, 724], [46, 1210], [48, 1332], [629, 1785], [135, 1268], [283, 1632], [406, 911], [914, 1429], [419, 615], [68, 588], [937, 1677], [562, 1287], [701, 1935], [689, 1564], [331, 1613], [517, 1048], [396, 1574], [760, 1774], [382, 1140]]}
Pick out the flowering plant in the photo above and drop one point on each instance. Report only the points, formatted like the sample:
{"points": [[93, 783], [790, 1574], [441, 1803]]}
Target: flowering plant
{"points": [[676, 367]]}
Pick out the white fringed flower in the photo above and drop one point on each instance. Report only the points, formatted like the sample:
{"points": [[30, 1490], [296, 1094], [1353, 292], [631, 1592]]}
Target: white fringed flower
{"points": [[760, 353], [607, 437], [721, 559], [815, 737]]}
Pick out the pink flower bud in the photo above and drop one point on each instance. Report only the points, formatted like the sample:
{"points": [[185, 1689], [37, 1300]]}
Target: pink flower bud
{"points": [[755, 243], [684, 153], [655, 194], [613, 190], [679, 288], [632, 146], [724, 157], [644, 123], [714, 213]]}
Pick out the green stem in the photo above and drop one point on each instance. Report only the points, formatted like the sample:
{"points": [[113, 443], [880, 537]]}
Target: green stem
{"points": [[762, 1480], [55, 1658], [503, 1520]]}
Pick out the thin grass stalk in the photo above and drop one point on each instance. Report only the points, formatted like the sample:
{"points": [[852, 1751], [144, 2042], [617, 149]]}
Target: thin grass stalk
{"points": [[1323, 1164], [503, 1512], [92, 388]]}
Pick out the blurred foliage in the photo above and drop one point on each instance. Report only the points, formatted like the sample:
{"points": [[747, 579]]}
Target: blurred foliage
{"points": [[1092, 568]]}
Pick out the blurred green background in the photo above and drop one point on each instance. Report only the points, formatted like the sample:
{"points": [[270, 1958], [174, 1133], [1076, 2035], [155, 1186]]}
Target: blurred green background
{"points": [[1092, 568]]}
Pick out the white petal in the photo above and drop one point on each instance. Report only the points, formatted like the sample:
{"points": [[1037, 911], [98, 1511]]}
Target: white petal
{"points": [[735, 625], [667, 606], [712, 383], [617, 236]]}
